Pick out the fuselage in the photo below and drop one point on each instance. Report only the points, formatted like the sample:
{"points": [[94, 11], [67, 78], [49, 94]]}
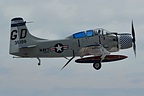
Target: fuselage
{"points": [[23, 44], [65, 47], [96, 42]]}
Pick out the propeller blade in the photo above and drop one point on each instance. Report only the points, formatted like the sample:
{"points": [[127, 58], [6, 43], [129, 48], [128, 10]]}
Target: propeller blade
{"points": [[134, 48], [133, 32], [133, 39]]}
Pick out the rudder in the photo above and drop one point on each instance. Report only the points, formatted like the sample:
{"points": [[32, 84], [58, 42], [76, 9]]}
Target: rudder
{"points": [[20, 36]]}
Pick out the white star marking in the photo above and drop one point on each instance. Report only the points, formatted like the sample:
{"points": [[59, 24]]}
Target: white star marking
{"points": [[59, 48]]}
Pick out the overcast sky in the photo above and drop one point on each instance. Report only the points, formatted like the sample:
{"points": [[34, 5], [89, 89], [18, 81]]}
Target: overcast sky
{"points": [[55, 19]]}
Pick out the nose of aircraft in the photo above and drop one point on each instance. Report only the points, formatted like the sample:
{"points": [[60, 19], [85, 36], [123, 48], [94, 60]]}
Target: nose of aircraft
{"points": [[125, 41]]}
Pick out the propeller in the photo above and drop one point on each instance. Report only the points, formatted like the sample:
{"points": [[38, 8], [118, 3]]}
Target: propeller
{"points": [[133, 38]]}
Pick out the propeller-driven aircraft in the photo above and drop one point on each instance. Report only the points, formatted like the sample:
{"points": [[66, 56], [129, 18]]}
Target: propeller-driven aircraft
{"points": [[91, 46]]}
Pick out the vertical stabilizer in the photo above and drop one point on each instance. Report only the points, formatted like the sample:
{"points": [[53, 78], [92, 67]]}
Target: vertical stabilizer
{"points": [[19, 36]]}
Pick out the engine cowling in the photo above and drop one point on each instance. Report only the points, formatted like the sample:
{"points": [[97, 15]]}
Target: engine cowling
{"points": [[125, 41]]}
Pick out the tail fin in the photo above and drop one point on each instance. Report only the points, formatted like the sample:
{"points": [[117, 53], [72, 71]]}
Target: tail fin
{"points": [[20, 36]]}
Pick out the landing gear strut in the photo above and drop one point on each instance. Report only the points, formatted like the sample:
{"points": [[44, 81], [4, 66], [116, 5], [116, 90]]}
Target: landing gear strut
{"points": [[97, 65], [39, 63]]}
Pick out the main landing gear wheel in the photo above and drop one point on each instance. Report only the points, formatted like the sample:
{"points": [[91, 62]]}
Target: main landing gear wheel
{"points": [[97, 65]]}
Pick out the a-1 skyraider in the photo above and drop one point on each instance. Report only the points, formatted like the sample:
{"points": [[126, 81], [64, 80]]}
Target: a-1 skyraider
{"points": [[92, 46]]}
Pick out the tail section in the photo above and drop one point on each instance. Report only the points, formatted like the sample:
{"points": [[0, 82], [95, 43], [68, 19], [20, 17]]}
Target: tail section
{"points": [[20, 36]]}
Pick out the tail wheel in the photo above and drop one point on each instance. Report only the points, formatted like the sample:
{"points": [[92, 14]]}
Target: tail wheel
{"points": [[97, 65]]}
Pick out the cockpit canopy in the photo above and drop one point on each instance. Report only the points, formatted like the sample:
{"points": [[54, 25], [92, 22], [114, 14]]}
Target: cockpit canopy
{"points": [[89, 33]]}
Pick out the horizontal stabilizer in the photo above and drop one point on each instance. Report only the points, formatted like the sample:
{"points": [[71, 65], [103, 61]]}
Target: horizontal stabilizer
{"points": [[31, 46]]}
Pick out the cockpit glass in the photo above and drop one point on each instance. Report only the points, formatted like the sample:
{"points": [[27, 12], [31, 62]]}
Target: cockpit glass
{"points": [[89, 33], [79, 35], [101, 31]]}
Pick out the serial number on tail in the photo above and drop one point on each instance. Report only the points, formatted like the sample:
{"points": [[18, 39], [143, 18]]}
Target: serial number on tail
{"points": [[20, 42]]}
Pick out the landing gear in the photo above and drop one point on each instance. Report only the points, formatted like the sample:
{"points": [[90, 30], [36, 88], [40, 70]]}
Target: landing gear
{"points": [[39, 63], [97, 65]]}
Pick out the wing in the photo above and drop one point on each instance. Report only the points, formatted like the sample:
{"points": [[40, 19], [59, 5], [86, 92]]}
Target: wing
{"points": [[95, 49]]}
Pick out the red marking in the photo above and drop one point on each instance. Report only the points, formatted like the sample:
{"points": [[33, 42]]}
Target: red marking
{"points": [[65, 47], [52, 49]]}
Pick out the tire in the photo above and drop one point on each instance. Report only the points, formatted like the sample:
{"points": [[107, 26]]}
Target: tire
{"points": [[97, 65]]}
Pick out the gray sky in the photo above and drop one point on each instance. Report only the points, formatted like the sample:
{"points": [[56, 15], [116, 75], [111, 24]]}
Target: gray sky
{"points": [[55, 19]]}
